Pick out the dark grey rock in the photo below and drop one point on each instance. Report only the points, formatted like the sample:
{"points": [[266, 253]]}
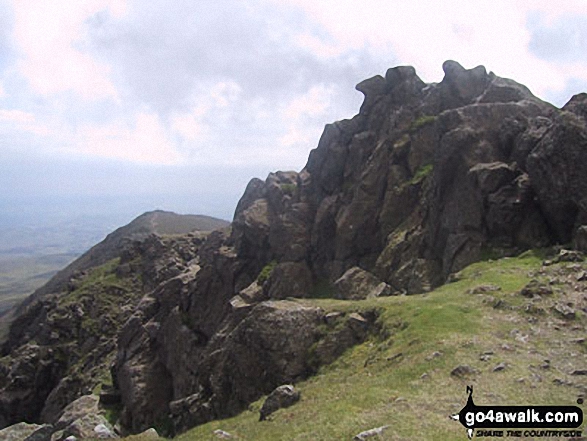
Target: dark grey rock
{"points": [[357, 283], [282, 397], [536, 288], [500, 367], [463, 371]]}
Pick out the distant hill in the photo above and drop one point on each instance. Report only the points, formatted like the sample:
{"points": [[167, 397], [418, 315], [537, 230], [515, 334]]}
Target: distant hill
{"points": [[156, 222]]}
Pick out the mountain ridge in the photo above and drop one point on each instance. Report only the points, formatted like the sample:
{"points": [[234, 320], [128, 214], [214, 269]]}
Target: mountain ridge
{"points": [[157, 222]]}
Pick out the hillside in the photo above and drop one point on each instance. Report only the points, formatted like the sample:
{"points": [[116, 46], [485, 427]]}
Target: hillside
{"points": [[342, 278], [519, 345]]}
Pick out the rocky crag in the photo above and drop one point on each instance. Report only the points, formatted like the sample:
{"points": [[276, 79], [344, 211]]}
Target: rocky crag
{"points": [[425, 180]]}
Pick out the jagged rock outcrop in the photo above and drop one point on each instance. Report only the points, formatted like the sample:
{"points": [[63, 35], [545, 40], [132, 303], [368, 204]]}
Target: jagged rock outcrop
{"points": [[425, 180], [62, 344]]}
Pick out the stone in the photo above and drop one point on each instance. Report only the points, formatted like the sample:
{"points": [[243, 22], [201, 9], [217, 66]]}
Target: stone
{"points": [[332, 317], [569, 256], [564, 311], [252, 293], [482, 289], [26, 431], [149, 434], [87, 404], [42, 434], [463, 371], [500, 367], [85, 427], [357, 283], [370, 433], [535, 288], [580, 239], [353, 330], [558, 167], [492, 176], [221, 434], [103, 432], [282, 397], [289, 279]]}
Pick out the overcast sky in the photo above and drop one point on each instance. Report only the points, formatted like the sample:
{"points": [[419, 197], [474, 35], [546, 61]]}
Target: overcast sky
{"points": [[177, 104]]}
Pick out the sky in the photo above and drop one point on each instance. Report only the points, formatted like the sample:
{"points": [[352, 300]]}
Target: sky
{"points": [[128, 106]]}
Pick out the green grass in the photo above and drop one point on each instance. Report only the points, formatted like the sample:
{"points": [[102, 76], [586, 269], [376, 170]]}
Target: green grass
{"points": [[101, 295], [288, 189], [422, 121], [393, 379], [266, 272], [421, 174]]}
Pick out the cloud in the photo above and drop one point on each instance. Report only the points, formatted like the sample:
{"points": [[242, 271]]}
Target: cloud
{"points": [[163, 60], [22, 121], [301, 112], [563, 40], [424, 34], [232, 83], [144, 142], [47, 35]]}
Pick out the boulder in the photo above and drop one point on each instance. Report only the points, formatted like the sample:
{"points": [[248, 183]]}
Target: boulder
{"points": [[85, 405], [343, 333], [463, 371], [27, 432], [89, 426], [251, 357], [356, 284], [557, 167], [282, 397], [289, 279], [580, 239]]}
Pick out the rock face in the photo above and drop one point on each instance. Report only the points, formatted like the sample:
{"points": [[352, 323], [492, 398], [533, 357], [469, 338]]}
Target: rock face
{"points": [[62, 345], [425, 180]]}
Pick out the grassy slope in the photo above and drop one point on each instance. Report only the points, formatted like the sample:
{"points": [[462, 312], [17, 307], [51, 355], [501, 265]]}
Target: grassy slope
{"points": [[394, 379]]}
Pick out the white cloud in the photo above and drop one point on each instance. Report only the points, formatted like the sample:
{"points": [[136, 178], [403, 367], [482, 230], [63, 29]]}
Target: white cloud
{"points": [[16, 116], [220, 99], [22, 121], [225, 93], [313, 103], [260, 88], [425, 34], [189, 125], [49, 36], [145, 142], [2, 92], [296, 115]]}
